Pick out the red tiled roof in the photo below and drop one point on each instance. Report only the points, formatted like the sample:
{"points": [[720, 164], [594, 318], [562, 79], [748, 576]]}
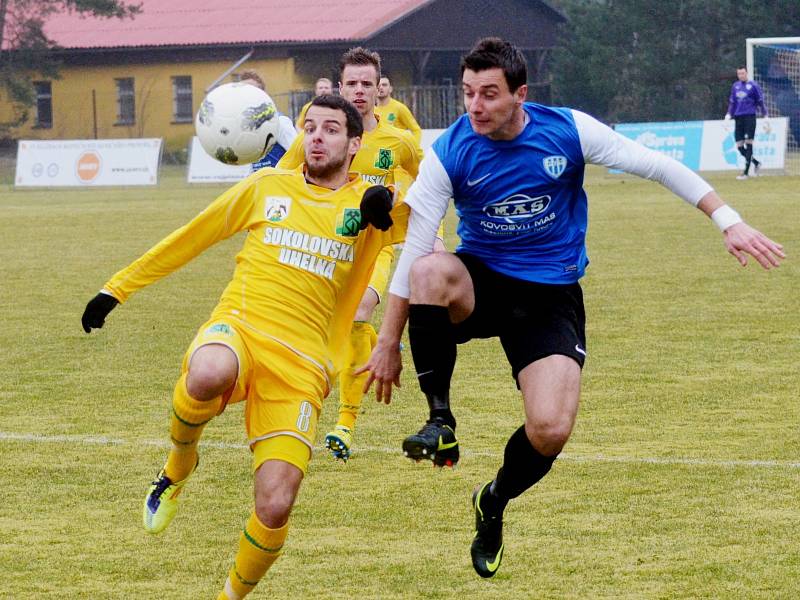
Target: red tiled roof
{"points": [[206, 22]]}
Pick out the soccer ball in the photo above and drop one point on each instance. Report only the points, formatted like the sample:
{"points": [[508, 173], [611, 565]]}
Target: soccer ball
{"points": [[237, 123]]}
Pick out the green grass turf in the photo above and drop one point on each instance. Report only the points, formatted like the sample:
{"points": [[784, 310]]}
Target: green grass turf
{"points": [[681, 479]]}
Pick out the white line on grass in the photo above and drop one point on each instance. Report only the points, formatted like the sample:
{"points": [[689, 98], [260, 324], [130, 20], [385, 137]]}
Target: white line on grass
{"points": [[35, 438]]}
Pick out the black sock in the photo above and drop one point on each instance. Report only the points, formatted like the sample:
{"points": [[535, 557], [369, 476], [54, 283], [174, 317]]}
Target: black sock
{"points": [[748, 156], [522, 467], [433, 348], [742, 150], [442, 413]]}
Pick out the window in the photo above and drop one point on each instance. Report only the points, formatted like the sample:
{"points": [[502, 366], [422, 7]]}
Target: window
{"points": [[44, 104], [182, 99], [126, 104]]}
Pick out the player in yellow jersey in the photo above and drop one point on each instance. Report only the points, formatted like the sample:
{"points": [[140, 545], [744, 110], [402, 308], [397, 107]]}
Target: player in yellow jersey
{"points": [[273, 339], [393, 111], [383, 150], [322, 87]]}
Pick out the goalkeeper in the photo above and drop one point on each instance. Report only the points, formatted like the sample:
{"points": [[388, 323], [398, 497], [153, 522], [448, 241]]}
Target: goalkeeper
{"points": [[273, 338], [744, 102]]}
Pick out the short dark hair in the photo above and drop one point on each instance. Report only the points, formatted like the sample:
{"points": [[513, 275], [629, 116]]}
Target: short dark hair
{"points": [[361, 56], [492, 53], [355, 124], [253, 76]]}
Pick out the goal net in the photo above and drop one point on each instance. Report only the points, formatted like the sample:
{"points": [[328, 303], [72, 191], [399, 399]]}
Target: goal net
{"points": [[774, 63]]}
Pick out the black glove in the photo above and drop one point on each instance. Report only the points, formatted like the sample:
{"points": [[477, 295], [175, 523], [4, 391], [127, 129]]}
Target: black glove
{"points": [[375, 206], [97, 310]]}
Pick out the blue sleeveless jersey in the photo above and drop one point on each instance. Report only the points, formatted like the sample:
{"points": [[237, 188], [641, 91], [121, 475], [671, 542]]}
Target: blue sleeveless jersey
{"points": [[520, 203]]}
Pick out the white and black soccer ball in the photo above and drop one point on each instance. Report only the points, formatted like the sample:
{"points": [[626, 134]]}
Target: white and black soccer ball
{"points": [[237, 123]]}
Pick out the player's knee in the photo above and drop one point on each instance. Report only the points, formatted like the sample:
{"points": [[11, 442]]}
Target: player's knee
{"points": [[549, 436], [429, 275], [274, 506], [208, 379]]}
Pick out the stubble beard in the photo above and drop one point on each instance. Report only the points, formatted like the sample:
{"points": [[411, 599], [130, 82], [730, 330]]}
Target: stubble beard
{"points": [[327, 170]]}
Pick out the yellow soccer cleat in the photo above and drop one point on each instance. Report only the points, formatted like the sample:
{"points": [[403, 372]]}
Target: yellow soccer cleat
{"points": [[161, 502], [339, 442]]}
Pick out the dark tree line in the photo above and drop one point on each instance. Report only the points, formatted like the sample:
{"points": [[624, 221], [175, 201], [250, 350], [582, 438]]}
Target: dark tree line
{"points": [[657, 60]]}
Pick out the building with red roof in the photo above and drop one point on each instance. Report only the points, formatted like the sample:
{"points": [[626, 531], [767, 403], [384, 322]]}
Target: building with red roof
{"points": [[145, 76]]}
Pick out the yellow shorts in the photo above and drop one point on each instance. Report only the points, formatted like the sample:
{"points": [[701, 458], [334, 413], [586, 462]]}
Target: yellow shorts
{"points": [[380, 274], [283, 392]]}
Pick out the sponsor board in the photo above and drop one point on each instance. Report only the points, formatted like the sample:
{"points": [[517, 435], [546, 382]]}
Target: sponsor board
{"points": [[719, 151], [203, 168], [87, 162], [710, 145]]}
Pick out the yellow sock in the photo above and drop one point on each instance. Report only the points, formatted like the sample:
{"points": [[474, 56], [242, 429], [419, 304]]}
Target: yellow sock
{"points": [[259, 547], [362, 341], [189, 417]]}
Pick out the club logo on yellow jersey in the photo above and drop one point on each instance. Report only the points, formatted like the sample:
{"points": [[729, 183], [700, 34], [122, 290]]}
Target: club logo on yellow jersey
{"points": [[391, 118], [384, 159], [220, 328], [276, 208], [348, 223]]}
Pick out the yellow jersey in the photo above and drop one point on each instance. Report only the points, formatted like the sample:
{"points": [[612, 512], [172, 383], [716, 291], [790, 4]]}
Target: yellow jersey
{"points": [[304, 265], [398, 114], [383, 150]]}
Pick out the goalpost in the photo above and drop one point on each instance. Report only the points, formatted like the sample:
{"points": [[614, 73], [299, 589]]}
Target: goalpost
{"points": [[774, 63]]}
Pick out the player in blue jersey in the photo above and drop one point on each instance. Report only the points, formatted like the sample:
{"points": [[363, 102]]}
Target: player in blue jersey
{"points": [[744, 102], [515, 171], [286, 130]]}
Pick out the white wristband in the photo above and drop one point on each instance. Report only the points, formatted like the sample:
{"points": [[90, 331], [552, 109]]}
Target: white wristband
{"points": [[725, 217]]}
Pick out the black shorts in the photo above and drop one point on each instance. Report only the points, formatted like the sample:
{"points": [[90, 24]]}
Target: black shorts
{"points": [[532, 320], [745, 128]]}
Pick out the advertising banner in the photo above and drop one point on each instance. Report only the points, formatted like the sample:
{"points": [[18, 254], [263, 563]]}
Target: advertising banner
{"points": [[87, 162], [205, 169], [719, 151], [709, 145], [680, 140]]}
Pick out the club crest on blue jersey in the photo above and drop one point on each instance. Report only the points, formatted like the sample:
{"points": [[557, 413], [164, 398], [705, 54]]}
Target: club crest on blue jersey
{"points": [[555, 165], [276, 208], [517, 208]]}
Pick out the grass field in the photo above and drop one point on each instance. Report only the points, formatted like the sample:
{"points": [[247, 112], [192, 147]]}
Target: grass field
{"points": [[681, 480]]}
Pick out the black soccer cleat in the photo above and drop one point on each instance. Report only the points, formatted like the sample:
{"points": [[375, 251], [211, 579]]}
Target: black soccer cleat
{"points": [[487, 545], [436, 441]]}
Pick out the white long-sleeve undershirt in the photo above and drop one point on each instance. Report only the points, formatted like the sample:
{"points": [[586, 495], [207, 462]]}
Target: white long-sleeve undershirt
{"points": [[430, 194]]}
